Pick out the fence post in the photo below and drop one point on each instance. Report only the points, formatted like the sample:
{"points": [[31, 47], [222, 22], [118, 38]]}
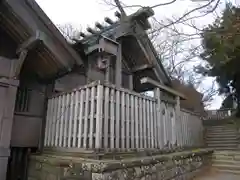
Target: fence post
{"points": [[160, 141], [99, 117], [178, 122]]}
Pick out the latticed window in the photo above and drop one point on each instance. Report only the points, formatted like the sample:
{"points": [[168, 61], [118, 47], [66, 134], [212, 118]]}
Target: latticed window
{"points": [[23, 100]]}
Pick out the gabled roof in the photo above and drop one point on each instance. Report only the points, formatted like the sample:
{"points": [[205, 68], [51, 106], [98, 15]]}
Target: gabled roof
{"points": [[25, 22], [138, 51]]}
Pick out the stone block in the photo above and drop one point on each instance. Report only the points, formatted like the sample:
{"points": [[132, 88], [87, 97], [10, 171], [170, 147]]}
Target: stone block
{"points": [[164, 167]]}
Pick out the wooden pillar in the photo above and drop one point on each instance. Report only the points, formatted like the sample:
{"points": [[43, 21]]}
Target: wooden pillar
{"points": [[8, 90], [45, 123], [119, 66], [131, 82], [160, 135], [107, 71]]}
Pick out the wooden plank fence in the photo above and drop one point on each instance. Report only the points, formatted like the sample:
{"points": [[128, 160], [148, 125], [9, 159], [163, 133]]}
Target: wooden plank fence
{"points": [[102, 116]]}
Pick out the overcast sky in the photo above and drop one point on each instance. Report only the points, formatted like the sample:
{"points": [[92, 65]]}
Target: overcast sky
{"points": [[84, 13]]}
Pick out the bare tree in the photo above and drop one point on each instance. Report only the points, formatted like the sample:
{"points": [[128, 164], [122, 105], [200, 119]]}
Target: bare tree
{"points": [[178, 49], [70, 32]]}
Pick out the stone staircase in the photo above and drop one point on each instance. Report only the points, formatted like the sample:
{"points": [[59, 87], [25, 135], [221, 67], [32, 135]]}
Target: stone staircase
{"points": [[227, 161], [221, 137]]}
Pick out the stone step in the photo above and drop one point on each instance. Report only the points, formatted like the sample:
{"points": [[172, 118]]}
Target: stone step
{"points": [[227, 161], [222, 141], [221, 134], [221, 127], [222, 146], [221, 138], [225, 126], [215, 140], [228, 171], [222, 131], [235, 152], [227, 167], [221, 157]]}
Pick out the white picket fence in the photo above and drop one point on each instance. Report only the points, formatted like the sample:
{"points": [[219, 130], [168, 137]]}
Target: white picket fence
{"points": [[102, 116]]}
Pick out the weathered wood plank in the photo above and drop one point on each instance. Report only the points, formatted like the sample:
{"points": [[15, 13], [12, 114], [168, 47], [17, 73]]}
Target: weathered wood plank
{"points": [[117, 125], [123, 120], [164, 119], [128, 136], [112, 114], [132, 123], [151, 124], [155, 125], [86, 124], [53, 126], [136, 120], [99, 117], [148, 125], [66, 119], [145, 136], [141, 123], [61, 139], [75, 123], [70, 120], [58, 121], [159, 119], [92, 104], [48, 128], [80, 118], [106, 118]]}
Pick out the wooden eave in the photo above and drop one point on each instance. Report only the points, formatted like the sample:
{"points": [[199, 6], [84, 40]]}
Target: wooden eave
{"points": [[22, 19]]}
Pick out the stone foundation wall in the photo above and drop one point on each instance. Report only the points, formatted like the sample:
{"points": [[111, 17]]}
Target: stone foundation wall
{"points": [[181, 165]]}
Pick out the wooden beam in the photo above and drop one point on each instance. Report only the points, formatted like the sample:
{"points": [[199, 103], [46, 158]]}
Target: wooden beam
{"points": [[131, 82], [20, 62], [118, 14], [142, 67], [108, 20], [83, 35], [118, 74], [30, 43], [99, 26], [146, 80], [91, 30]]}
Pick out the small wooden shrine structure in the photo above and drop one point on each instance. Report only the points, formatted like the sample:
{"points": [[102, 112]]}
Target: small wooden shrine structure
{"points": [[86, 96]]}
